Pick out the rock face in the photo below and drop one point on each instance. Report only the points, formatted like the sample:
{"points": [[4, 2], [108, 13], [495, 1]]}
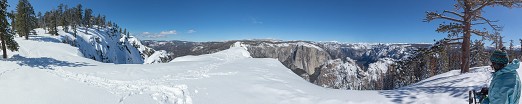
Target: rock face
{"points": [[303, 58], [327, 64]]}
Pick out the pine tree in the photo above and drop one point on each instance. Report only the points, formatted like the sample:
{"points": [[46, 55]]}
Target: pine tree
{"points": [[87, 19], [102, 21], [520, 53], [76, 18], [511, 53], [98, 21], [51, 22], [25, 20], [12, 16], [109, 24], [6, 36], [64, 19], [468, 13], [40, 20], [59, 14]]}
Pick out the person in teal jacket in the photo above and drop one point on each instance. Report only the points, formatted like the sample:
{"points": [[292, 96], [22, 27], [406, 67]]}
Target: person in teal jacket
{"points": [[505, 85]]}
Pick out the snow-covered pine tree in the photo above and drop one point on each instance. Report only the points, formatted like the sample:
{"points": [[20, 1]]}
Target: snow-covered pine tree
{"points": [[25, 19], [6, 36], [464, 17]]}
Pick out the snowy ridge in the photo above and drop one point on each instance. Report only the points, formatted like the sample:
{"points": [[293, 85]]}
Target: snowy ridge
{"points": [[62, 75], [105, 45]]}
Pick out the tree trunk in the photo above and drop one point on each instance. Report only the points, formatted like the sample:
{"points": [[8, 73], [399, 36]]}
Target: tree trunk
{"points": [[4, 47], [464, 65]]}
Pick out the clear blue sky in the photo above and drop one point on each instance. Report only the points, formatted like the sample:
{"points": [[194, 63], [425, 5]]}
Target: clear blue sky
{"points": [[315, 20]]}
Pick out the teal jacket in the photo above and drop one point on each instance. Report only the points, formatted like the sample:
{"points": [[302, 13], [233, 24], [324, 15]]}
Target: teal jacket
{"points": [[505, 86]]}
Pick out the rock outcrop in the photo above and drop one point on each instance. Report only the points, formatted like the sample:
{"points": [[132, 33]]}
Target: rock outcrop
{"points": [[327, 64]]}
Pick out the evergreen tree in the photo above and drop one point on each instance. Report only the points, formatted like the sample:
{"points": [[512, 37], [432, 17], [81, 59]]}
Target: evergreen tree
{"points": [[12, 16], [76, 18], [51, 22], [64, 19], [520, 55], [87, 19], [40, 20], [6, 36], [479, 56], [102, 21], [109, 24], [468, 13], [25, 20], [98, 22]]}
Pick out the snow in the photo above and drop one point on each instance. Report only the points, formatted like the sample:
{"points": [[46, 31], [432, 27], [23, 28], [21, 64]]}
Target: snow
{"points": [[156, 57], [104, 44], [48, 72]]}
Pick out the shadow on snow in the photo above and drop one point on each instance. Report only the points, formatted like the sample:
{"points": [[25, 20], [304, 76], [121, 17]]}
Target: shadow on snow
{"points": [[45, 62], [407, 95], [44, 39]]}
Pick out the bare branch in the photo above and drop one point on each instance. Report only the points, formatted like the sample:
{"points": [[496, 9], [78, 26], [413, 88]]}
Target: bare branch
{"points": [[454, 13], [490, 23], [480, 33], [482, 6], [508, 3], [432, 16]]}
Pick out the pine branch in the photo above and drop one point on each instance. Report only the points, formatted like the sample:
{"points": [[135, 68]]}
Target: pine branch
{"points": [[454, 13], [490, 23], [432, 16]]}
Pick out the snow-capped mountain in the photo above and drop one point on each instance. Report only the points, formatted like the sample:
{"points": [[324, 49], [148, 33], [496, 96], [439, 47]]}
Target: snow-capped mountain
{"points": [[108, 45], [328, 64]]}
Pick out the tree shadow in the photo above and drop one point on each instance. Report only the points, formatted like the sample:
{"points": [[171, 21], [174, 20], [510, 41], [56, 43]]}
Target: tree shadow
{"points": [[44, 39], [401, 95], [45, 62]]}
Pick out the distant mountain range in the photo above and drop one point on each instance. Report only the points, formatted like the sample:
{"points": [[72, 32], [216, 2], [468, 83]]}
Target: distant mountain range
{"points": [[328, 64]]}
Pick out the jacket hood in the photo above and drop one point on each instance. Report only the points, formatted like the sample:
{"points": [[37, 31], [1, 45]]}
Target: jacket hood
{"points": [[511, 67]]}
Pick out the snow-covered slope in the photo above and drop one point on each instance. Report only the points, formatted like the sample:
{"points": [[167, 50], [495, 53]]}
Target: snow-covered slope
{"points": [[105, 45], [46, 72]]}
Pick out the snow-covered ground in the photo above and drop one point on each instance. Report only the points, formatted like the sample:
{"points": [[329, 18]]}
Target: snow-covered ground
{"points": [[45, 71], [104, 45]]}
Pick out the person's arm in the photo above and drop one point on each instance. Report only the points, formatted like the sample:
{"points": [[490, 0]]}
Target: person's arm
{"points": [[501, 91]]}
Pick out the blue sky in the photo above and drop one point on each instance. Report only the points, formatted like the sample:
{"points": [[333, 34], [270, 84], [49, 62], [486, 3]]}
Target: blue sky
{"points": [[315, 20]]}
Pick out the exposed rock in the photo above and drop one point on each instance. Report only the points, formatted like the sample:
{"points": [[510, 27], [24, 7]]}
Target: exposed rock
{"points": [[327, 64]]}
